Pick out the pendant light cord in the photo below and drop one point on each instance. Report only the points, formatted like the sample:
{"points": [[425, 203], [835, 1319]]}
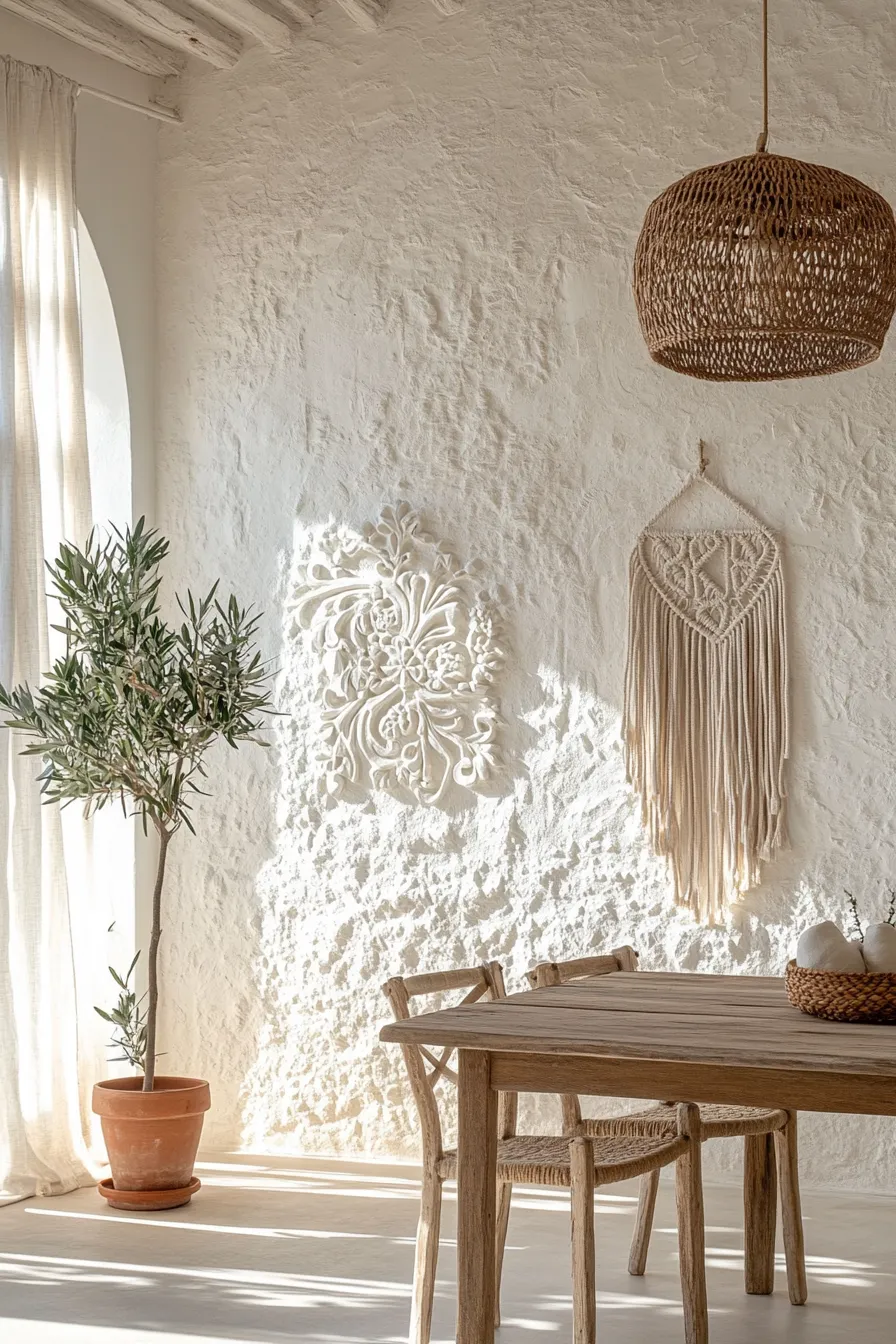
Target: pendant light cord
{"points": [[762, 142]]}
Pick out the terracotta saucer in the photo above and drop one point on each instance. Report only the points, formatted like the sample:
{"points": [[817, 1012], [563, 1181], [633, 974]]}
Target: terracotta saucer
{"points": [[145, 1201]]}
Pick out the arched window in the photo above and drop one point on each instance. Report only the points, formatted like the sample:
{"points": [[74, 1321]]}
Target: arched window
{"points": [[109, 861], [105, 393]]}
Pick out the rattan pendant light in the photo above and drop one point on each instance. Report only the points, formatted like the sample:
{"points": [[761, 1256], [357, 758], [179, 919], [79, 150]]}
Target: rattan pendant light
{"points": [[766, 267]]}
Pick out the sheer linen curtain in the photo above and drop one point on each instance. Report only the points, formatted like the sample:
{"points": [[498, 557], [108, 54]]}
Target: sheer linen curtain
{"points": [[49, 1053]]}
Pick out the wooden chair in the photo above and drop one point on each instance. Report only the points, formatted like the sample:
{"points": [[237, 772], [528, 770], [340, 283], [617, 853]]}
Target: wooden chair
{"points": [[765, 1133], [579, 1163]]}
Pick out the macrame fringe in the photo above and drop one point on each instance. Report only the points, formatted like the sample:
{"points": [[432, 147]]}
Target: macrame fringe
{"points": [[707, 732]]}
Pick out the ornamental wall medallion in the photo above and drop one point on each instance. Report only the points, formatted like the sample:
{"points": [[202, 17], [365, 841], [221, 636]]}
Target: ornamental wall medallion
{"points": [[409, 658]]}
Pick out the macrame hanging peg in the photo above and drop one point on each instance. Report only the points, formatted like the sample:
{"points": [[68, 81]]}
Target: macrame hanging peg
{"points": [[706, 722]]}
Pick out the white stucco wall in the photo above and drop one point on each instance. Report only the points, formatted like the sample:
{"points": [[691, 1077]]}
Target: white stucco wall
{"points": [[398, 266]]}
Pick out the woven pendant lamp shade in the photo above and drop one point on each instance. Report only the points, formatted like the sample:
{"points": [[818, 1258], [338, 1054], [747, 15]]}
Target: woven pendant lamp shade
{"points": [[766, 267]]}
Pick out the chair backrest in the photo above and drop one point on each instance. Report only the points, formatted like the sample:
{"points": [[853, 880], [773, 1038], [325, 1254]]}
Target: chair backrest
{"points": [[426, 1069], [582, 968], [548, 973]]}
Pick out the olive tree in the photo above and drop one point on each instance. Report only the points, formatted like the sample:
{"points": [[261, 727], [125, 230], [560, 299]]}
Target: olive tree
{"points": [[129, 712]]}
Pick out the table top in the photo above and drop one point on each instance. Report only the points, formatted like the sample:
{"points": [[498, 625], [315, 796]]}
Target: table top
{"points": [[731, 1020]]}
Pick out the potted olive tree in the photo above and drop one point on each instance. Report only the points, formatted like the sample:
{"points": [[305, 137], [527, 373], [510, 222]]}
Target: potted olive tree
{"points": [[128, 716]]}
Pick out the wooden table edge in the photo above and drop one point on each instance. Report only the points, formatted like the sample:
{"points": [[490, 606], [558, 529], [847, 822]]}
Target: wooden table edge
{"points": [[431, 1029], [832, 1091]]}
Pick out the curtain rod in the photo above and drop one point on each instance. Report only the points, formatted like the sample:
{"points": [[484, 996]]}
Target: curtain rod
{"points": [[148, 109]]}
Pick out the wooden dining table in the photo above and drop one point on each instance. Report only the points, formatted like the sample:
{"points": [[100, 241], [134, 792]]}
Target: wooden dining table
{"points": [[705, 1038]]}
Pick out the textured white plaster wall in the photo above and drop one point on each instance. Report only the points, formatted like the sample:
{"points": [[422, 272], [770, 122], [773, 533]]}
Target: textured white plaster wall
{"points": [[398, 266]]}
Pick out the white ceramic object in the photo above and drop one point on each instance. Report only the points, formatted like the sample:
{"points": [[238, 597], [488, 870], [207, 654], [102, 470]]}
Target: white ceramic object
{"points": [[879, 948], [824, 947]]}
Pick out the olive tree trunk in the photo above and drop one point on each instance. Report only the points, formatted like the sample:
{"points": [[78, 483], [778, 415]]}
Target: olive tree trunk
{"points": [[149, 1070]]}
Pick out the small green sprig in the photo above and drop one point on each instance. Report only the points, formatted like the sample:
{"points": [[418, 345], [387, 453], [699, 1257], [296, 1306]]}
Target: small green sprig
{"points": [[128, 1017], [856, 919]]}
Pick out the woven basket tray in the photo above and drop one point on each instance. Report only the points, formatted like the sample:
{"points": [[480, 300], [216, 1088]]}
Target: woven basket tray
{"points": [[842, 996]]}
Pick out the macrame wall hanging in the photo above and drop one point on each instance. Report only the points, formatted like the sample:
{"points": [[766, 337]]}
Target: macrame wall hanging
{"points": [[706, 722]]}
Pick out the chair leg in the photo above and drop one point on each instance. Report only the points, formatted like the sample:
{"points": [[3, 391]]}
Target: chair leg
{"points": [[505, 1191], [760, 1212], [637, 1260], [427, 1255], [584, 1323], [692, 1235], [791, 1210]]}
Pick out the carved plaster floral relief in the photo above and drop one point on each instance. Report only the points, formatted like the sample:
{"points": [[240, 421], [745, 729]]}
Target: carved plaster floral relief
{"points": [[409, 658]]}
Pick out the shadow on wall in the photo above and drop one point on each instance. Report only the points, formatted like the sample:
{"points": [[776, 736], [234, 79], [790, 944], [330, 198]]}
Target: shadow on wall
{"points": [[322, 898], [430, 299], [359, 887], [284, 1012], [361, 884]]}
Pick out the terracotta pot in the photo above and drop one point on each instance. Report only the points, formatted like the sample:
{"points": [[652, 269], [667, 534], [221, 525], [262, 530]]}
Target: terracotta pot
{"points": [[152, 1138]]}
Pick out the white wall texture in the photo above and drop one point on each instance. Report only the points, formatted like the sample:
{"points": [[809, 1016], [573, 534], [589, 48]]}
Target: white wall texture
{"points": [[398, 266]]}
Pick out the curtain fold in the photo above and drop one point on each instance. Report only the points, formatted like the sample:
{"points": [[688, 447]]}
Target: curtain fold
{"points": [[44, 497]]}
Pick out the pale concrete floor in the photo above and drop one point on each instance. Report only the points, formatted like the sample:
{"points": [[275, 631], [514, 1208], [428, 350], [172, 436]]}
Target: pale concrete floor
{"points": [[321, 1251]]}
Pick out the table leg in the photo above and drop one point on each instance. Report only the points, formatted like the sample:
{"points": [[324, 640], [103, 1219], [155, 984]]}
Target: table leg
{"points": [[791, 1214], [692, 1228], [477, 1150], [760, 1212]]}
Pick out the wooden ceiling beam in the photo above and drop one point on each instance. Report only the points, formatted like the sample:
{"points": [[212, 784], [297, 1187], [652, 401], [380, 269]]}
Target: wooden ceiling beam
{"points": [[368, 14], [174, 25], [252, 19], [91, 28]]}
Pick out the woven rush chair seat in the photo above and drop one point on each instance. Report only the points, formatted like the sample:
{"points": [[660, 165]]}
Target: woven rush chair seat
{"points": [[716, 1122], [770, 1151], [544, 1160]]}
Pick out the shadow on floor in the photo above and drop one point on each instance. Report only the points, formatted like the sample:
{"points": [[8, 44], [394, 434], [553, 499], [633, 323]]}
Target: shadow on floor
{"points": [[321, 1252]]}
